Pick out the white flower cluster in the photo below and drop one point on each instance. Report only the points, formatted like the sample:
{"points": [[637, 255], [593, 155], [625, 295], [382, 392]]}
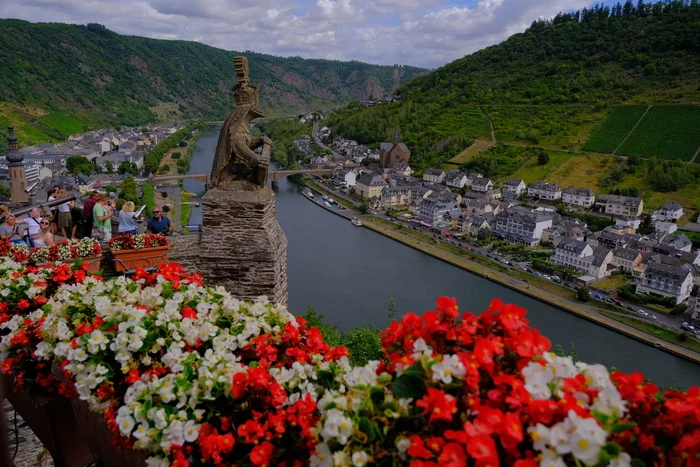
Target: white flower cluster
{"points": [[85, 246], [581, 437]]}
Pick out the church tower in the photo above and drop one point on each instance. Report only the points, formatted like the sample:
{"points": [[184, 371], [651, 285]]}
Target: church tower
{"points": [[18, 178]]}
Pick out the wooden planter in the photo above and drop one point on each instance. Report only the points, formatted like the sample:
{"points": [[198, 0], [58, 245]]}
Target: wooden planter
{"points": [[125, 260], [94, 429], [53, 422], [92, 262]]}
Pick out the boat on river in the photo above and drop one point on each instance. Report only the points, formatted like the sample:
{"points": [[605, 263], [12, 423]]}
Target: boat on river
{"points": [[325, 203], [308, 193], [356, 222]]}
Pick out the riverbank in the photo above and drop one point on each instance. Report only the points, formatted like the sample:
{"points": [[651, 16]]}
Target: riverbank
{"points": [[506, 279]]}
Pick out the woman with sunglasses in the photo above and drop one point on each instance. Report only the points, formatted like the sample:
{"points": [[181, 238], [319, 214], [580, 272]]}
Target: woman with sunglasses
{"points": [[44, 237]]}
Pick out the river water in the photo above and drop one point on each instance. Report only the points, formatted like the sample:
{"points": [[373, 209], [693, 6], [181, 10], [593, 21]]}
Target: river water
{"points": [[349, 274]]}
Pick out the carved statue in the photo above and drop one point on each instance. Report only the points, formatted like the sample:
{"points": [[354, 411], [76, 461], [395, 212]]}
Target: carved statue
{"points": [[236, 164]]}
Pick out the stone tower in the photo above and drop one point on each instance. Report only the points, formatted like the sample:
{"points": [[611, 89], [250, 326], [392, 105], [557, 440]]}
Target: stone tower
{"points": [[18, 178]]}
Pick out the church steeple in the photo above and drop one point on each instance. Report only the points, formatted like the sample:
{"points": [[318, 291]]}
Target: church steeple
{"points": [[18, 177], [396, 136]]}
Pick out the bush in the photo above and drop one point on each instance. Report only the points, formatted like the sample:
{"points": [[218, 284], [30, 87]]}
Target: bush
{"points": [[583, 294], [679, 309], [542, 158]]}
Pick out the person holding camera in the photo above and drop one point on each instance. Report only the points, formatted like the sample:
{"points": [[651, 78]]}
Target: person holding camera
{"points": [[127, 219], [101, 219], [10, 230]]}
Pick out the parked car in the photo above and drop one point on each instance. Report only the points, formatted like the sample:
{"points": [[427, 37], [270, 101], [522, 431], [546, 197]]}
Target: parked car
{"points": [[598, 296], [556, 279], [631, 308], [549, 278], [653, 316], [687, 327]]}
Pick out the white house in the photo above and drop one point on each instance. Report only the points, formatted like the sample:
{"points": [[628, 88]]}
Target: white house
{"points": [[482, 185], [370, 185], [346, 177], [521, 225], [471, 225], [583, 197], [670, 211], [591, 262], [544, 190], [471, 176], [433, 176], [456, 179], [667, 281], [620, 205], [514, 188]]}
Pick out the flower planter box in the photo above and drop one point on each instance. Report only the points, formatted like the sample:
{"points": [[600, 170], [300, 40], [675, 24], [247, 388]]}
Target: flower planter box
{"points": [[92, 262], [94, 429], [53, 422], [125, 260]]}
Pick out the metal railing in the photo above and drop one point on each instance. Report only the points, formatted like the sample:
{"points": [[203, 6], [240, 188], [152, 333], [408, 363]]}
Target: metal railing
{"points": [[47, 205]]}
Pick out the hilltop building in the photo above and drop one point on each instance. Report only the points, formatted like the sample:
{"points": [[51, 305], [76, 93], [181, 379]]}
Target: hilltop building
{"points": [[393, 154]]}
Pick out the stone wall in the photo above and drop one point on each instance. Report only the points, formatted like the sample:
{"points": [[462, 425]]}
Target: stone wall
{"points": [[242, 247]]}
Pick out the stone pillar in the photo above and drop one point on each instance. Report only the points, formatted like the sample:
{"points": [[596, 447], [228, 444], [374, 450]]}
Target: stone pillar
{"points": [[241, 247]]}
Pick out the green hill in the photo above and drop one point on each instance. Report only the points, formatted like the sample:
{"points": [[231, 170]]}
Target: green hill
{"points": [[554, 86], [58, 78]]}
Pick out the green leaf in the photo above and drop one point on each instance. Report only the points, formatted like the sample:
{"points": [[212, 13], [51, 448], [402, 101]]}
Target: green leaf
{"points": [[365, 426], [601, 417], [408, 385], [620, 427], [613, 449], [253, 364], [416, 370], [377, 395]]}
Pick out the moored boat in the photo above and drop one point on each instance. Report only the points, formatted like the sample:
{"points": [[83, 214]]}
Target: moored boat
{"points": [[356, 222]]}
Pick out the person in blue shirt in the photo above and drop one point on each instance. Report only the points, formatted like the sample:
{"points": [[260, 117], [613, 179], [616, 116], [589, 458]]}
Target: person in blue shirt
{"points": [[159, 224]]}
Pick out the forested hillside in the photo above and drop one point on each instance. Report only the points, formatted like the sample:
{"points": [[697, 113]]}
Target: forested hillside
{"points": [[88, 74], [588, 61]]}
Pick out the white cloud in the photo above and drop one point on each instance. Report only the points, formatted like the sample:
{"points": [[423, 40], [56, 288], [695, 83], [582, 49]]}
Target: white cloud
{"points": [[416, 32]]}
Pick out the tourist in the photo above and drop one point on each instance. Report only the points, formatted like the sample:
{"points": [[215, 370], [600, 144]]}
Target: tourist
{"points": [[44, 237], [127, 218], [76, 215], [101, 219], [88, 207], [65, 220], [159, 224], [51, 196], [33, 223], [9, 230]]}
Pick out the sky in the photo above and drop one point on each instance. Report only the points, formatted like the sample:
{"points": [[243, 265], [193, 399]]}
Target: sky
{"points": [[425, 33]]}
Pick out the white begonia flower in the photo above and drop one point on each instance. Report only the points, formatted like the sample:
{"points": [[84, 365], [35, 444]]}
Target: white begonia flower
{"points": [[587, 439], [140, 431], [549, 459], [323, 456], [191, 431], [157, 462], [537, 379], [159, 419], [337, 426], [450, 366], [623, 460], [359, 458], [540, 435], [610, 402], [563, 367], [559, 437], [340, 459]]}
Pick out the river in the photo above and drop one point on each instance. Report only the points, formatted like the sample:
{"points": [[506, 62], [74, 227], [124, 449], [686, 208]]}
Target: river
{"points": [[349, 274]]}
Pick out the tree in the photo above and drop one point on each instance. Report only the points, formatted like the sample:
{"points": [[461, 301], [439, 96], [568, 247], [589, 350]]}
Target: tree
{"points": [[86, 169], [129, 191], [363, 208], [109, 167], [484, 234], [74, 164], [126, 167], [645, 227], [111, 189], [583, 294], [679, 309], [542, 158]]}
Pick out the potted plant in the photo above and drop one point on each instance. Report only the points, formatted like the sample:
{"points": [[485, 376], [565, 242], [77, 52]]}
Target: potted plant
{"points": [[19, 253], [29, 383], [139, 251], [87, 250]]}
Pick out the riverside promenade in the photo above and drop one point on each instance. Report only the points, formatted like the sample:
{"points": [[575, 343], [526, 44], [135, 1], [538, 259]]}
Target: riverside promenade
{"points": [[581, 310]]}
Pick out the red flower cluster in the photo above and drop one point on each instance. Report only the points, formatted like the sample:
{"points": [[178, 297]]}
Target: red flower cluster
{"points": [[17, 254], [127, 241], [22, 364]]}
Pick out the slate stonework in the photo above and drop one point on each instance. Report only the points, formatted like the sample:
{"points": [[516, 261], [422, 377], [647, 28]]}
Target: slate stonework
{"points": [[242, 247]]}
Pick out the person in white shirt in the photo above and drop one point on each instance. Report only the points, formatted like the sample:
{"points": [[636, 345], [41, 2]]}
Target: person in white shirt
{"points": [[53, 193], [33, 223]]}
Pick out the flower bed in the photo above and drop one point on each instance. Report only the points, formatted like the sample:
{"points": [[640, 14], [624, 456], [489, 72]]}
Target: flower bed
{"points": [[192, 376], [19, 253], [139, 251]]}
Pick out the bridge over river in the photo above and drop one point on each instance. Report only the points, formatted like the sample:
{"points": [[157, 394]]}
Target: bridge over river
{"points": [[274, 176]]}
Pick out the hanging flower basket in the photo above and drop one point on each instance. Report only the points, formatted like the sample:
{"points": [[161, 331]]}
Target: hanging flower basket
{"points": [[102, 442], [139, 251], [51, 419]]}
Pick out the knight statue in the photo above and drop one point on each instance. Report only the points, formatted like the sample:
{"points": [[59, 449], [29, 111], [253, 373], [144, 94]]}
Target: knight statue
{"points": [[237, 165]]}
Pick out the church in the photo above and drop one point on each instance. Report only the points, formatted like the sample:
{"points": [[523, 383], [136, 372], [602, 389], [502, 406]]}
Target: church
{"points": [[393, 154]]}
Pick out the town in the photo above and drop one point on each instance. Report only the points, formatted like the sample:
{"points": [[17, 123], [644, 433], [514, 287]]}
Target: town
{"points": [[606, 246]]}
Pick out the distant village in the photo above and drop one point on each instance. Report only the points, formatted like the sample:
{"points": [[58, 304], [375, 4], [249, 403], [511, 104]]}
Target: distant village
{"points": [[539, 216], [108, 149]]}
